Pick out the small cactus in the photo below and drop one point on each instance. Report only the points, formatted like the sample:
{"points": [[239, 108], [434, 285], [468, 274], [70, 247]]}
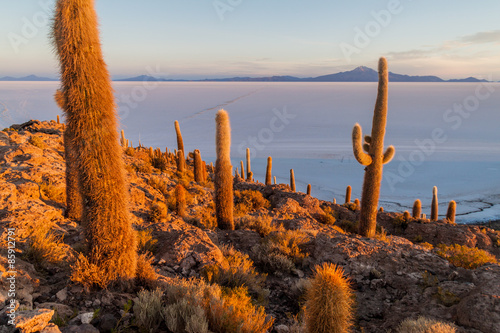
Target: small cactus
{"points": [[274, 179], [371, 155], [223, 177], [268, 170], [406, 215], [292, 180], [249, 171], [58, 120], [308, 189], [357, 204], [381, 209], [450, 214], [198, 167], [122, 139], [417, 209], [329, 306], [348, 194], [180, 200], [334, 201], [180, 142], [434, 206]]}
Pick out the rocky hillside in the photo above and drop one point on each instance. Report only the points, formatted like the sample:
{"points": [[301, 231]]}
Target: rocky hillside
{"points": [[281, 236]]}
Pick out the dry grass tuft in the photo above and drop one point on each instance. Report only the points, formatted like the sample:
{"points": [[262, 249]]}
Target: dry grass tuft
{"points": [[147, 310], [249, 201], [145, 241], [280, 250], [36, 141], [158, 212], [53, 193], [45, 247], [425, 325], [464, 256], [260, 224], [145, 273]]}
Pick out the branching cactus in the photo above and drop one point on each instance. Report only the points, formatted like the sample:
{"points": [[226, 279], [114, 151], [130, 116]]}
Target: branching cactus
{"points": [[89, 108], [434, 205], [180, 142], [249, 171], [371, 154], [292, 180], [268, 170], [450, 214], [223, 175], [417, 209]]}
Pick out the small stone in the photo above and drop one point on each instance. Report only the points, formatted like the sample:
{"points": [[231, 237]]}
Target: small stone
{"points": [[62, 295], [85, 328], [282, 329], [96, 303], [51, 328], [86, 317], [298, 272]]}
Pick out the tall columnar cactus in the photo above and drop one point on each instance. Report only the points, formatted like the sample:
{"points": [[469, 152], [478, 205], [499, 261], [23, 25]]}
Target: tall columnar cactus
{"points": [[249, 170], [417, 209], [198, 167], [308, 191], [90, 115], [292, 180], [329, 306], [180, 142], [374, 156], [74, 204], [123, 141], [180, 200], [58, 120], [274, 179], [223, 177], [450, 214], [242, 170], [181, 162], [434, 205], [348, 194], [268, 170]]}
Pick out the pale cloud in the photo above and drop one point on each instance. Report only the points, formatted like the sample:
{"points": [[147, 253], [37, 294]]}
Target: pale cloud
{"points": [[482, 37]]}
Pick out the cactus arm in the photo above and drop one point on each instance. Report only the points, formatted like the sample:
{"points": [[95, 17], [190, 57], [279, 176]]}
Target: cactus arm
{"points": [[366, 147], [389, 154], [360, 156]]}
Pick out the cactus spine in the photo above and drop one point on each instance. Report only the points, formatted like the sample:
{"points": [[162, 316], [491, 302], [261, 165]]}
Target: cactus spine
{"points": [[292, 180], [308, 189], [348, 194], [375, 157], [268, 170], [249, 171], [434, 205], [417, 209], [198, 167], [223, 176], [450, 214], [329, 304], [90, 117], [74, 204], [180, 142]]}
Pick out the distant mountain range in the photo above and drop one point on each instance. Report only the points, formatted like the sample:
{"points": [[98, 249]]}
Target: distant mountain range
{"points": [[359, 74]]}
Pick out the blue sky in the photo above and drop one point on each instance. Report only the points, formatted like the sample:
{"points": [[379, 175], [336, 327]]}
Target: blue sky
{"points": [[219, 38]]}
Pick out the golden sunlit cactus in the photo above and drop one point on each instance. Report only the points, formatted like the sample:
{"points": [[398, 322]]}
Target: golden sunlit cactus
{"points": [[180, 200], [198, 167], [329, 306], [90, 117], [417, 209], [375, 157], [180, 142], [181, 163], [348, 194], [268, 170], [73, 197], [242, 170], [308, 191], [357, 204], [292, 180], [123, 141], [58, 120], [223, 177], [450, 214], [249, 170], [434, 205]]}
